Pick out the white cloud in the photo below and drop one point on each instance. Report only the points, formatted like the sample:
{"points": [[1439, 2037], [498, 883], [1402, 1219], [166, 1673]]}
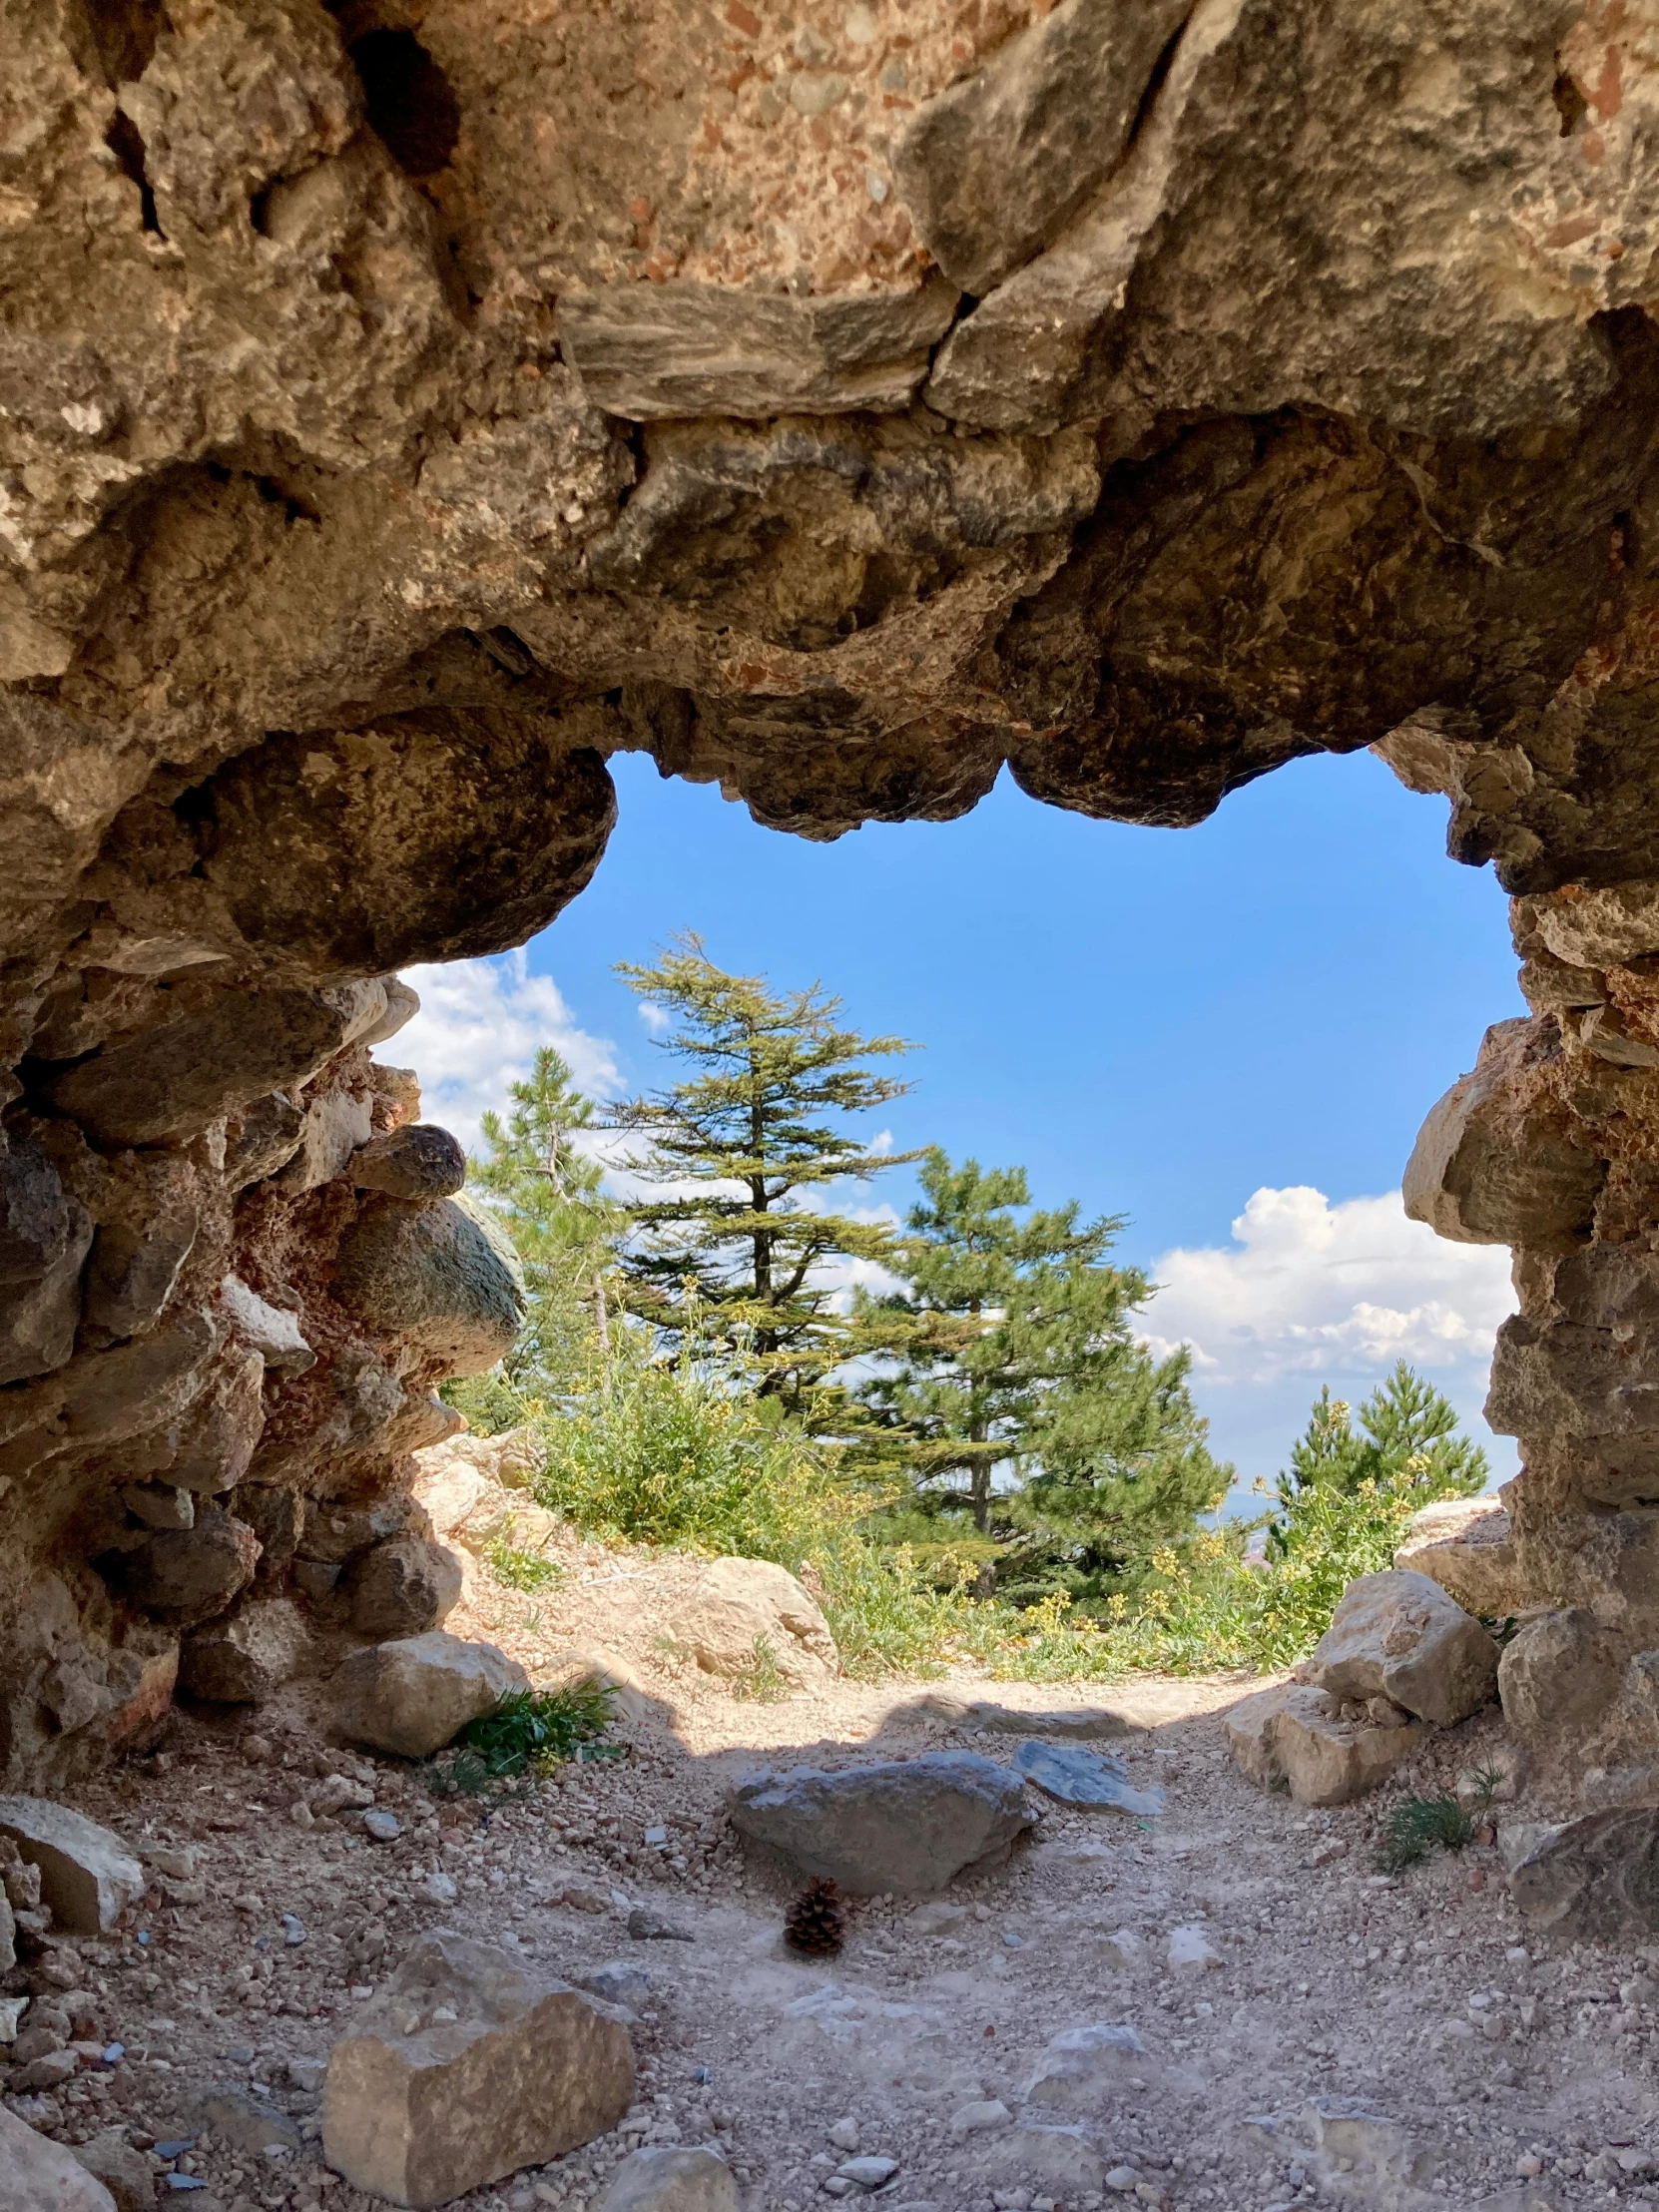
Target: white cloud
{"points": [[1309, 1293], [656, 1018], [478, 1030]]}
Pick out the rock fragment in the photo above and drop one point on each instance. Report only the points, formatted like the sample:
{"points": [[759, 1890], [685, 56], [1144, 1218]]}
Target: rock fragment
{"points": [[124, 2172], [1466, 1546], [665, 2179], [402, 1588], [417, 1161], [416, 1695], [246, 1659], [520, 2070], [38, 2175], [907, 1825], [1292, 1736], [45, 1236], [87, 1874], [1078, 1777], [1594, 1878]]}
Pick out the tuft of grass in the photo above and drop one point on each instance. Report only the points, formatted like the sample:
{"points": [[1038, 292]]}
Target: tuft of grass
{"points": [[529, 1731], [764, 1681], [523, 1570], [1418, 1826]]}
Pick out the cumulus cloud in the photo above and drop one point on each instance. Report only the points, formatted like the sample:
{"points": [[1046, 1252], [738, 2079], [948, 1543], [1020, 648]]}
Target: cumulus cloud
{"points": [[478, 1030], [1310, 1293]]}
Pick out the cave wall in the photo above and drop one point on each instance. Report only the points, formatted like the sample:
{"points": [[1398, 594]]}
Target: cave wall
{"points": [[408, 404]]}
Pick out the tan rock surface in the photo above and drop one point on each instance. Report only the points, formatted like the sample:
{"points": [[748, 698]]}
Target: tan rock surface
{"points": [[1399, 1635]]}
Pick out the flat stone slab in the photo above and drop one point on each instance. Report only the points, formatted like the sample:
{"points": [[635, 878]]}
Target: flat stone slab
{"points": [[1080, 1724], [1079, 1777], [908, 1825]]}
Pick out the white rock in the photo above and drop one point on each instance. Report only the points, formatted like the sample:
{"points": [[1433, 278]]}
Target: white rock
{"points": [[38, 2175], [87, 1874], [980, 2117], [664, 2178], [1082, 2069], [1189, 1947], [267, 1330], [937, 1918], [416, 1695], [1122, 2179], [1399, 1635], [843, 2133], [868, 2174], [440, 1888]]}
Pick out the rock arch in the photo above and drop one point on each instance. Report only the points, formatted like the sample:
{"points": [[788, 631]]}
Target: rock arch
{"points": [[405, 404]]}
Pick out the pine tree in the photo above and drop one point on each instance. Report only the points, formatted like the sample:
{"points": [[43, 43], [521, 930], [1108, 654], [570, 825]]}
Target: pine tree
{"points": [[732, 1236], [548, 1192], [1013, 1344], [1408, 1434]]}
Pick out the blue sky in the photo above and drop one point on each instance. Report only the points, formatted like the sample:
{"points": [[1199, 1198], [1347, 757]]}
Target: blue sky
{"points": [[1230, 1034]]}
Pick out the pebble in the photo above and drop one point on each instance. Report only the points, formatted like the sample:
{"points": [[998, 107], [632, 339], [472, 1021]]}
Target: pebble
{"points": [[971, 2120], [384, 1827], [1122, 2179], [440, 1888], [868, 2174], [647, 1926], [294, 1930], [844, 2133], [1189, 1947]]}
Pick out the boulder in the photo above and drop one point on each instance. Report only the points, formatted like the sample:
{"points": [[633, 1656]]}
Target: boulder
{"points": [[1293, 1736], [87, 1874], [1590, 1880], [1466, 1546], [185, 1575], [907, 1826], [420, 1160], [246, 1659], [124, 2172], [438, 1276], [421, 2109], [1082, 2070], [402, 1588], [45, 1236], [414, 1696], [734, 1604], [1401, 1637], [38, 2175], [662, 2179], [1559, 1671]]}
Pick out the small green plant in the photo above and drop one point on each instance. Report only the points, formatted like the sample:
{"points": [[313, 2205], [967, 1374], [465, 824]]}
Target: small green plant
{"points": [[1485, 1784], [531, 1732], [522, 1571], [1417, 1826], [764, 1681], [1502, 1628]]}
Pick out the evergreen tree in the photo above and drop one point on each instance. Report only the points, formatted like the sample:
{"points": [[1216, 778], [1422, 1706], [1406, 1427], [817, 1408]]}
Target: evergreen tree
{"points": [[548, 1192], [1013, 1344], [732, 1234], [1408, 1434]]}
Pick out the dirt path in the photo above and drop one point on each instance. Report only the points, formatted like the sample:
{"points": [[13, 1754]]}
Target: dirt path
{"points": [[1325, 1980]]}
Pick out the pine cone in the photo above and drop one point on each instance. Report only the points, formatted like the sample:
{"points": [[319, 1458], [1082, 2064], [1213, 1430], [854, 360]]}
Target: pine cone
{"points": [[815, 1922]]}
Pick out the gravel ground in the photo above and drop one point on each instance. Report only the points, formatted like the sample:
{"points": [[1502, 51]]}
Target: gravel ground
{"points": [[1525, 2078]]}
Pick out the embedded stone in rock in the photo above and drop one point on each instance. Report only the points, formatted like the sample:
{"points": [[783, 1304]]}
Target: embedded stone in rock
{"points": [[219, 1435], [336, 1124], [185, 1575], [38, 2175], [662, 2179], [417, 1161], [736, 1602], [414, 1696], [268, 1330], [1594, 1878], [149, 1210], [436, 1277], [1559, 1671], [87, 1874], [402, 1588], [909, 1826], [1466, 1546], [1078, 1777], [246, 1659], [1082, 2069], [45, 1236], [1399, 1635], [1290, 1736], [527, 2070], [263, 1137]]}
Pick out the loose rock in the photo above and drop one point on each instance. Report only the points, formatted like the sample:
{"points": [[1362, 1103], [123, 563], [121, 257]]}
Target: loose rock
{"points": [[665, 2179], [737, 1603], [1078, 1777], [87, 1875], [907, 1827], [38, 2175], [1401, 1637], [416, 1695]]}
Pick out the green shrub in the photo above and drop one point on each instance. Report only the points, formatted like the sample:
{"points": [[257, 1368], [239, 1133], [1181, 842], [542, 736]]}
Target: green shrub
{"points": [[522, 1571], [1417, 1826], [538, 1730]]}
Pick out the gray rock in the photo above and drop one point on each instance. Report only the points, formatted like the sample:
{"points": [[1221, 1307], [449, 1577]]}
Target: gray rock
{"points": [[417, 1161], [38, 2175], [1559, 1671], [185, 1575], [909, 1826], [436, 1277], [1078, 1777], [618, 1981], [124, 2172], [307, 2075], [242, 2119], [382, 1825], [991, 168], [335, 1123], [1081, 1723], [664, 2179], [402, 1587], [414, 1696], [867, 2172], [1083, 2069], [1591, 1879], [262, 1138], [148, 1211], [45, 1236], [647, 1926], [271, 1330], [159, 1504], [1401, 1637], [684, 348], [246, 1659], [87, 1874], [421, 2110]]}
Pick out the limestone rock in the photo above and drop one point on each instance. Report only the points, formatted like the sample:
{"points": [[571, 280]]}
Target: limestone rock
{"points": [[124, 2172], [735, 1603], [45, 1236], [38, 2175], [1401, 1637], [1292, 1736], [662, 2179], [909, 1826], [413, 1697], [242, 2119], [1062, 2158], [527, 2070], [1558, 1672], [261, 1138], [87, 1874], [335, 1123], [1082, 2070], [416, 1161], [402, 1588], [1466, 1546], [246, 1659], [185, 1575], [271, 1330], [682, 348], [435, 1275], [630, 1699], [1592, 1880], [148, 1211], [217, 1436]]}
